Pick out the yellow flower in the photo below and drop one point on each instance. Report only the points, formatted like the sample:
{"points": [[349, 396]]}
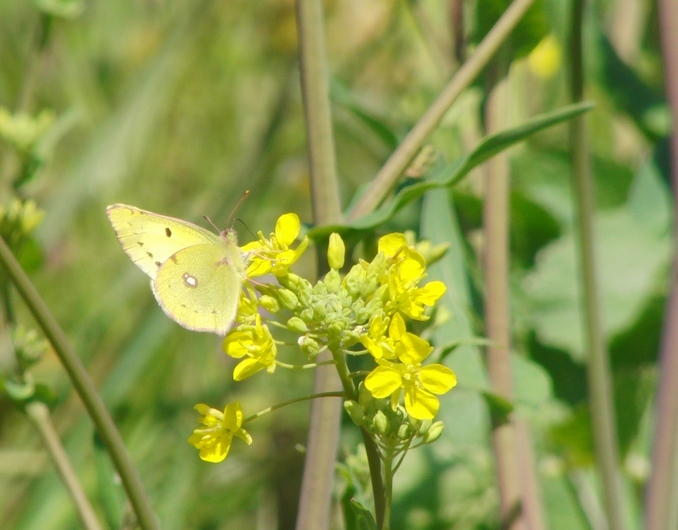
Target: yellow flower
{"points": [[256, 344], [248, 307], [377, 343], [406, 270], [274, 255], [214, 438], [405, 295], [545, 59], [420, 384]]}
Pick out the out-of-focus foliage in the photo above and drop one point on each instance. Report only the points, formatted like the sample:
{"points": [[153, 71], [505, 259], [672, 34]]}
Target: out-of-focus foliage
{"points": [[179, 107]]}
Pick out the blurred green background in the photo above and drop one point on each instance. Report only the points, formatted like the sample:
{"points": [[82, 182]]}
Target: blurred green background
{"points": [[179, 107]]}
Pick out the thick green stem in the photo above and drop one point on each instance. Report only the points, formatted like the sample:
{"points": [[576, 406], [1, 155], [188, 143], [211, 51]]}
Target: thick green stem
{"points": [[388, 492], [83, 386], [323, 440], [378, 491], [603, 421]]}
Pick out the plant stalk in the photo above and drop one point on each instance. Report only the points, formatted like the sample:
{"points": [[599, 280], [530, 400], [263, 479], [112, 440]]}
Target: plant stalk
{"points": [[39, 415], [660, 507], [598, 367], [497, 329], [323, 439], [84, 387]]}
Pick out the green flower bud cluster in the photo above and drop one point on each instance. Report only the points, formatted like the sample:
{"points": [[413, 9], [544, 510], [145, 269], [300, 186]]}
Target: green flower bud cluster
{"points": [[334, 311], [18, 220], [23, 131], [29, 348], [391, 428]]}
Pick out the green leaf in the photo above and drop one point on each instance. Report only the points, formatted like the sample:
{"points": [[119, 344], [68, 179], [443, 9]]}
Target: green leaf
{"points": [[452, 174], [631, 258], [500, 408], [527, 34], [360, 517]]}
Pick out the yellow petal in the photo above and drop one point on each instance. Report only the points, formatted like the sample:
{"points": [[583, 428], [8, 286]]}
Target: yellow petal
{"points": [[412, 349], [437, 378], [390, 244], [383, 381], [247, 368], [287, 229], [235, 344], [217, 451], [430, 292], [421, 404]]}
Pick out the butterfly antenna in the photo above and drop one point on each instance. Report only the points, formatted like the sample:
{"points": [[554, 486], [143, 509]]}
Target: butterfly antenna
{"points": [[238, 220], [230, 217], [210, 222], [242, 198]]}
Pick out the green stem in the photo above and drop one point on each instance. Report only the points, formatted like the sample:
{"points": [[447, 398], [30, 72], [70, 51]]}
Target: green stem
{"points": [[292, 402], [83, 386], [391, 171], [345, 375], [603, 421], [388, 491], [302, 366], [374, 462], [323, 438], [39, 415]]}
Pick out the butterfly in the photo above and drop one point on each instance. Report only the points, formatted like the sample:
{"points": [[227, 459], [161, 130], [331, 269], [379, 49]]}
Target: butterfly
{"points": [[196, 275]]}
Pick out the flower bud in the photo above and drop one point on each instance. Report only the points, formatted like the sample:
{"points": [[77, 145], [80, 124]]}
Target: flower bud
{"points": [[336, 251], [380, 423], [288, 299], [336, 329], [423, 426], [28, 346], [309, 346], [333, 281], [404, 432], [297, 325], [20, 392], [433, 433], [355, 411], [354, 279], [269, 303]]}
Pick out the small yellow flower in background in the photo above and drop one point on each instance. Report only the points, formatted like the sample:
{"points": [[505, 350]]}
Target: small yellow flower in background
{"points": [[214, 438], [376, 342], [420, 384], [274, 255], [254, 342], [544, 61]]}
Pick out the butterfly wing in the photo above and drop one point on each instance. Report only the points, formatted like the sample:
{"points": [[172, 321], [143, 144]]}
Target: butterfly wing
{"points": [[149, 239], [199, 286]]}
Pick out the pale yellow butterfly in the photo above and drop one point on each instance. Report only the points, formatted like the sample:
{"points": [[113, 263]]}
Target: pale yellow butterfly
{"points": [[196, 275]]}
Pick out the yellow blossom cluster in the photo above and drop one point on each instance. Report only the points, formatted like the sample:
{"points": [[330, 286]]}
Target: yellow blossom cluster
{"points": [[361, 312]]}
